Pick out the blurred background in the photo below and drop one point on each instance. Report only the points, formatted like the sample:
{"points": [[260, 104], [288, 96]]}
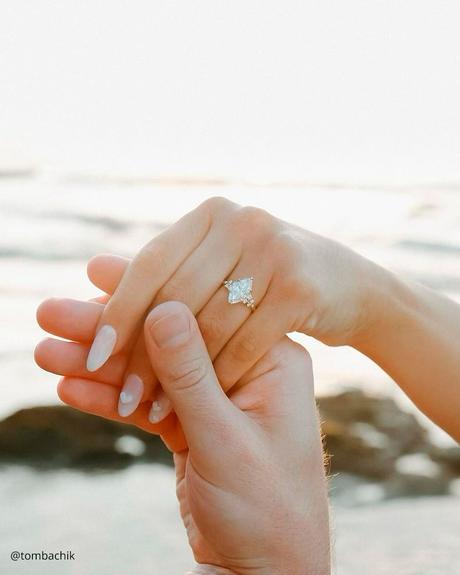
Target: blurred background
{"points": [[115, 119]]}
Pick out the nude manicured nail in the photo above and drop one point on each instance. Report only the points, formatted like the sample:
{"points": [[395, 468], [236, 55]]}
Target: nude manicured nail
{"points": [[102, 347], [131, 395], [161, 407]]}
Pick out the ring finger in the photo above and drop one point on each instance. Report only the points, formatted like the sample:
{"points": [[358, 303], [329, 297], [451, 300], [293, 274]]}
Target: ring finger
{"points": [[220, 319], [194, 283]]}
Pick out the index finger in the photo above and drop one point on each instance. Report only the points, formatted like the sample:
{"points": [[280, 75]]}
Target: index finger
{"points": [[144, 276]]}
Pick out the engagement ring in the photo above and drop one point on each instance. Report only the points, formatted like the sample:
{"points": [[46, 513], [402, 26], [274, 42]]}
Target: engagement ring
{"points": [[240, 291]]}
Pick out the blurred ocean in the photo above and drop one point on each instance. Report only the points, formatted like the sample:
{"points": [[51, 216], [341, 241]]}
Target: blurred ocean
{"points": [[52, 225]]}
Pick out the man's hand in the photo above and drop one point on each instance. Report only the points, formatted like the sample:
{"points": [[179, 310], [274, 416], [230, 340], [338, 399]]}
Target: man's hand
{"points": [[251, 486]]}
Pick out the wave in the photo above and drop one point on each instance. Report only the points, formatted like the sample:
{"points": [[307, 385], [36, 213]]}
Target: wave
{"points": [[216, 181], [425, 246], [110, 223]]}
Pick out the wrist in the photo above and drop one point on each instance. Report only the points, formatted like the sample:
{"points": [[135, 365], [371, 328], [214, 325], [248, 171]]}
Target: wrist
{"points": [[389, 306]]}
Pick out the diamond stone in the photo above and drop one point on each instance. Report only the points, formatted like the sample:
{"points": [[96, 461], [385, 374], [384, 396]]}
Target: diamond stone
{"points": [[239, 291]]}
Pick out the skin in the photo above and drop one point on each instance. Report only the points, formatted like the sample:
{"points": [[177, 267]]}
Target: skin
{"points": [[80, 388], [303, 282], [289, 287], [251, 483]]}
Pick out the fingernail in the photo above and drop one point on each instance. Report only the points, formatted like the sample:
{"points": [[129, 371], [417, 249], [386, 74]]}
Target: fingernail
{"points": [[171, 330], [131, 395], [102, 347], [161, 407]]}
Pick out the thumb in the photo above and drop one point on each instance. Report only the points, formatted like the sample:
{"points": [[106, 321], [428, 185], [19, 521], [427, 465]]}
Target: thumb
{"points": [[181, 362]]}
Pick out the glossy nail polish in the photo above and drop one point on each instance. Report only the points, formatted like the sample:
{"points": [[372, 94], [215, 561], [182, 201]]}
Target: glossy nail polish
{"points": [[130, 395], [161, 407], [102, 348]]}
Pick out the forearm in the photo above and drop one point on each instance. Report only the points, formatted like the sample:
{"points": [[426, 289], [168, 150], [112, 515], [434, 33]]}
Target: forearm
{"points": [[414, 335]]}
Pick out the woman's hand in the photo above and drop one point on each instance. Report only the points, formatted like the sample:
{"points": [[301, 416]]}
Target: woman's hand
{"points": [[251, 486], [409, 330], [302, 282]]}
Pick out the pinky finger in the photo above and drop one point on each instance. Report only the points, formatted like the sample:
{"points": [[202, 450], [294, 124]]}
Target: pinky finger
{"points": [[270, 322]]}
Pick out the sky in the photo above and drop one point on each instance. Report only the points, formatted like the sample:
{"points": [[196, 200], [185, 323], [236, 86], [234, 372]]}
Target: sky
{"points": [[357, 92]]}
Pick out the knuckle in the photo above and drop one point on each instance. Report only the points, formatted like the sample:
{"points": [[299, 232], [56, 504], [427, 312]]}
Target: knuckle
{"points": [[286, 246], [189, 373], [216, 204], [296, 350], [173, 290], [254, 220], [211, 327], [291, 353], [115, 311], [304, 299], [293, 288], [151, 256], [275, 356]]}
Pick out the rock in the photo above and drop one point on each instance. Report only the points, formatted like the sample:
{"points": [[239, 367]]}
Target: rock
{"points": [[449, 457], [374, 446], [58, 436], [373, 439], [365, 435], [351, 454]]}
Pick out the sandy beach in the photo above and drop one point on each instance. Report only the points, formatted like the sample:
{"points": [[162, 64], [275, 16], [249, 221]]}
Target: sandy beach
{"points": [[129, 520]]}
